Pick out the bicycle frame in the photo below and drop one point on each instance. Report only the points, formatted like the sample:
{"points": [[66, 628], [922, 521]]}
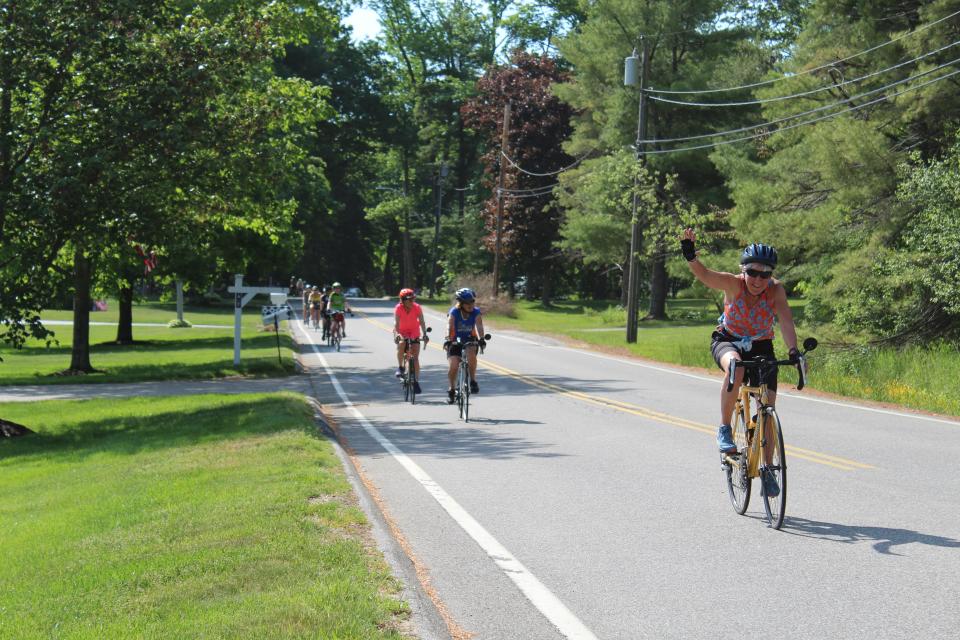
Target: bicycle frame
{"points": [[462, 388], [759, 438], [764, 413]]}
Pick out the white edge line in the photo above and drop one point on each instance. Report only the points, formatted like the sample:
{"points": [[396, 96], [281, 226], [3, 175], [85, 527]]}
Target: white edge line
{"points": [[531, 587]]}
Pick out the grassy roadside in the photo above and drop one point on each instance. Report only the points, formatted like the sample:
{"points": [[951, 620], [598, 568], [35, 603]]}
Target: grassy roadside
{"points": [[921, 379], [161, 353], [201, 516]]}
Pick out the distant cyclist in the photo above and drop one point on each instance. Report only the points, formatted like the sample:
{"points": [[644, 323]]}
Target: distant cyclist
{"points": [[464, 321], [316, 305], [408, 323], [307, 290], [325, 319], [752, 301], [336, 305]]}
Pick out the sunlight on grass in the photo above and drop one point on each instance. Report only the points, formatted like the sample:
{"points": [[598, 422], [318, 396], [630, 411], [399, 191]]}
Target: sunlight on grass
{"points": [[184, 517]]}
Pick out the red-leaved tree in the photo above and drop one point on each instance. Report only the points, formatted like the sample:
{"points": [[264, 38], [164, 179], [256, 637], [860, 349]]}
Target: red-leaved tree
{"points": [[539, 124]]}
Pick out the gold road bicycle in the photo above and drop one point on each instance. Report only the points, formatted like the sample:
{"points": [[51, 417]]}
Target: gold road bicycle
{"points": [[759, 439]]}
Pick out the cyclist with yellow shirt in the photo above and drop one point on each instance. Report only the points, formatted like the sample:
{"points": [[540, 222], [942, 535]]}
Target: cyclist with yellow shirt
{"points": [[315, 306]]}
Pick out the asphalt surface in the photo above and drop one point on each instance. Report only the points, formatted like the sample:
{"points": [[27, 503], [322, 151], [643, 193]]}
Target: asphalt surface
{"points": [[585, 499]]}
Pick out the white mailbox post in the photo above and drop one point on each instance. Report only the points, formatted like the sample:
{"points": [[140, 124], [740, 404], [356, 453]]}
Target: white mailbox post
{"points": [[243, 295]]}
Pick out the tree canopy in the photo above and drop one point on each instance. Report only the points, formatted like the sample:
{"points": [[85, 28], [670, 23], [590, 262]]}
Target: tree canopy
{"points": [[260, 137]]}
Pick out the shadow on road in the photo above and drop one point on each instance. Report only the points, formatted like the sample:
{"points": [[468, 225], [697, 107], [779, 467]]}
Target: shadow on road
{"points": [[357, 381], [457, 441], [883, 538]]}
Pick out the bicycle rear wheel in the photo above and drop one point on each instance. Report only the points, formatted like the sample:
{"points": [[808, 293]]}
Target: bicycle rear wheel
{"points": [[773, 476], [735, 469]]}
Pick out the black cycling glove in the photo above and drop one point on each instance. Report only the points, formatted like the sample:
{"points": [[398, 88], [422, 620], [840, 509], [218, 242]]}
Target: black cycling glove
{"points": [[686, 246]]}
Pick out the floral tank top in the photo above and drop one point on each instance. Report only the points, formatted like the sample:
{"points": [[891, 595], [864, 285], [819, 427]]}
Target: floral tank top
{"points": [[750, 320]]}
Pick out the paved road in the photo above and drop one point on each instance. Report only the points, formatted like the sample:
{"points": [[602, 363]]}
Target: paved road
{"points": [[586, 500]]}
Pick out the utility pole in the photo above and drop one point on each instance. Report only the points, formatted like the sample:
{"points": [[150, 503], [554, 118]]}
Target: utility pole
{"points": [[504, 140], [407, 279], [633, 282], [441, 174]]}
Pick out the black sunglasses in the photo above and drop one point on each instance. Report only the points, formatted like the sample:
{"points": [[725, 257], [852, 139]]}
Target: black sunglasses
{"points": [[753, 273]]}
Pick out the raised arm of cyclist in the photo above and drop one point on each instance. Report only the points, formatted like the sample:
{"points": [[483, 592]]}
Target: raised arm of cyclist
{"points": [[752, 302]]}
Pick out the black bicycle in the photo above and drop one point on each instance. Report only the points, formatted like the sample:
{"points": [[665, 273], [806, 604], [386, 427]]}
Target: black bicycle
{"points": [[759, 439], [408, 375], [461, 391]]}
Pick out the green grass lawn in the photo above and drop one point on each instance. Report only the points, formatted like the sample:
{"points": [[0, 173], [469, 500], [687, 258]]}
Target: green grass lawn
{"points": [[194, 517], [918, 378], [162, 353]]}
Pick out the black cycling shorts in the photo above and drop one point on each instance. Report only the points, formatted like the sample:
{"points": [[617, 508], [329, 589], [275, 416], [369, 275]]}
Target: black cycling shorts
{"points": [[723, 343], [455, 350]]}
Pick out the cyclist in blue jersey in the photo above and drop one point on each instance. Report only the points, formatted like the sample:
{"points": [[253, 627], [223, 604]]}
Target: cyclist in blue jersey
{"points": [[464, 321]]}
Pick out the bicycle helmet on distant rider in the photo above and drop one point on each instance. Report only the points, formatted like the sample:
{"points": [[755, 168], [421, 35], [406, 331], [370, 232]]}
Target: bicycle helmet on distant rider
{"points": [[759, 253], [466, 295], [407, 293]]}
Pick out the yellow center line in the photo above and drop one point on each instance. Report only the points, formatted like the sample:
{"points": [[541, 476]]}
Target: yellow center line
{"points": [[664, 418]]}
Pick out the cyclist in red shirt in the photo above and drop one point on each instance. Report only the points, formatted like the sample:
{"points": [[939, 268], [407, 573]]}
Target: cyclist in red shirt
{"points": [[408, 322]]}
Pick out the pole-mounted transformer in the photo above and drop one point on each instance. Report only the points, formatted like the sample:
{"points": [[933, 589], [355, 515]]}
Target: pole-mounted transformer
{"points": [[631, 70]]}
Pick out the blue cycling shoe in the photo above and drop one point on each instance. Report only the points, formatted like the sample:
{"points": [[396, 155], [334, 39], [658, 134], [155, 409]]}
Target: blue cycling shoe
{"points": [[770, 486], [725, 439]]}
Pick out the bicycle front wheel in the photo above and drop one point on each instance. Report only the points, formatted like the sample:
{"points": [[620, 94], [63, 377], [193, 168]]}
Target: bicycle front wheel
{"points": [[461, 389], [736, 467], [773, 471]]}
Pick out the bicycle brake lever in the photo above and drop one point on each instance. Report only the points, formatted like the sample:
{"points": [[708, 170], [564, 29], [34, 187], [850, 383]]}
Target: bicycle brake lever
{"points": [[733, 375]]}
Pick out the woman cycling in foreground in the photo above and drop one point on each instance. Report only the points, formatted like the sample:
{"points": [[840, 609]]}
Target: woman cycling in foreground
{"points": [[752, 301], [408, 323], [464, 322]]}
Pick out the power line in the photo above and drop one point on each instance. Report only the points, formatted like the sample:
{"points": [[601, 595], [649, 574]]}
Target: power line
{"points": [[551, 173], [808, 71], [800, 124], [804, 93], [803, 113], [528, 193]]}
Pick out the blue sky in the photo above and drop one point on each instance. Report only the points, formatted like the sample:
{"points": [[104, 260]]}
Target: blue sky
{"points": [[365, 24]]}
